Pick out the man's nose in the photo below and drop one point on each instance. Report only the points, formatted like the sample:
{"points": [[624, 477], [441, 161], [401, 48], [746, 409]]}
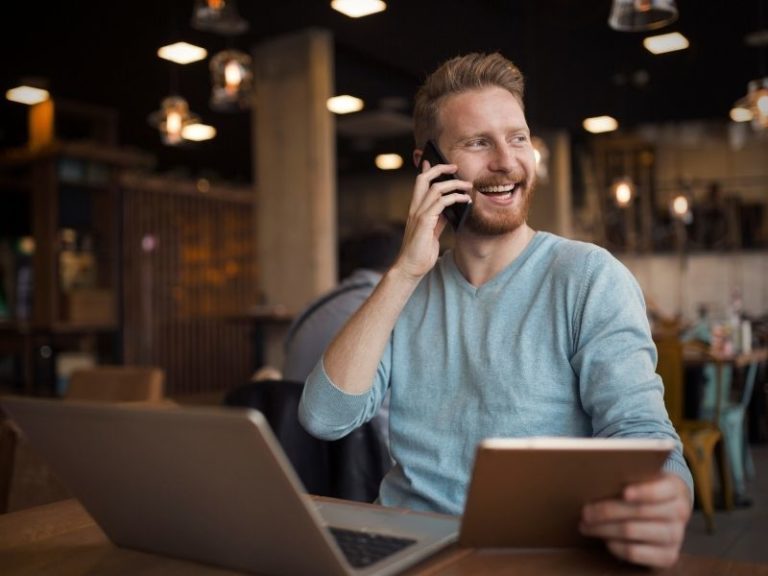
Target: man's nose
{"points": [[504, 159]]}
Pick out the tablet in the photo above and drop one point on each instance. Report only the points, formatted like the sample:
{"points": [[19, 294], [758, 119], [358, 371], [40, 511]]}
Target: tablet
{"points": [[529, 492]]}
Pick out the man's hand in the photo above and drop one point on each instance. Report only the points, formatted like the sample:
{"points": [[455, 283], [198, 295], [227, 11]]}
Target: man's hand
{"points": [[421, 240], [647, 525]]}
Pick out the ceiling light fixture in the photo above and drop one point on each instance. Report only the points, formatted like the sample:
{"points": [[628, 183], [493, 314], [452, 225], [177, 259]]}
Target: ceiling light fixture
{"points": [[389, 161], [28, 95], [598, 124], [739, 113], [232, 81], [754, 106], [219, 16], [197, 132], [182, 53], [344, 104], [664, 43], [171, 119], [640, 15], [358, 8]]}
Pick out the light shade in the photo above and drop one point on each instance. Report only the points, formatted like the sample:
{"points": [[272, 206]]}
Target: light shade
{"points": [[182, 53], [198, 132], [27, 95], [389, 161], [232, 81], [171, 119], [358, 8], [598, 124], [344, 104], [664, 43], [219, 16], [639, 15]]}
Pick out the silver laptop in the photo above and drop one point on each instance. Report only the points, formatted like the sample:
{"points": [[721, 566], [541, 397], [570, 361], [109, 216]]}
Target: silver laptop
{"points": [[213, 485]]}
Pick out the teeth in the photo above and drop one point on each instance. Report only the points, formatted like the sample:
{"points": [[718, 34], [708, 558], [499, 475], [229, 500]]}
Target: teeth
{"points": [[498, 189]]}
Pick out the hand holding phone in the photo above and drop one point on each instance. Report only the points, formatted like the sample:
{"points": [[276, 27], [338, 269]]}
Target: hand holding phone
{"points": [[455, 213]]}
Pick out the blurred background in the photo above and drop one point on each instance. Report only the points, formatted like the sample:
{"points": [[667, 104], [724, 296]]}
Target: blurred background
{"points": [[130, 235]]}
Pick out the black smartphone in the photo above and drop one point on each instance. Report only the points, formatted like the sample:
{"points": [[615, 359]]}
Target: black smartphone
{"points": [[455, 213]]}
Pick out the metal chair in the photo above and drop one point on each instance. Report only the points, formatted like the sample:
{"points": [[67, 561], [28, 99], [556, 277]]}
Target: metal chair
{"points": [[699, 437], [730, 414]]}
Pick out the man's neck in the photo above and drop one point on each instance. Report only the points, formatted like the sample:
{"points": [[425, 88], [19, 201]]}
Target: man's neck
{"points": [[480, 258]]}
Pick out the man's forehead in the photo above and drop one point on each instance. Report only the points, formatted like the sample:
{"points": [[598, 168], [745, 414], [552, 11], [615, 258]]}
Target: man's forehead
{"points": [[473, 109]]}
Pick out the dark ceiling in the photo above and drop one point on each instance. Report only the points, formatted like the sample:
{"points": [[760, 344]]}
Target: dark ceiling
{"points": [[104, 53]]}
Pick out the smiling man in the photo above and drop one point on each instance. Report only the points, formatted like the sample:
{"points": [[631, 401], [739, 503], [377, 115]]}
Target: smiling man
{"points": [[513, 333]]}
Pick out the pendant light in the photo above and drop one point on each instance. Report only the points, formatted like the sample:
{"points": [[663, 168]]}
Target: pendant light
{"points": [[171, 119], [754, 106], [219, 16], [641, 15], [232, 81]]}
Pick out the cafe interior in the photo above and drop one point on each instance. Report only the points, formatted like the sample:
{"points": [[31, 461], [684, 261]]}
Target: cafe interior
{"points": [[180, 179]]}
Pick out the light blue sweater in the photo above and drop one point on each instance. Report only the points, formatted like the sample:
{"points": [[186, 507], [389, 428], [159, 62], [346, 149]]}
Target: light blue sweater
{"points": [[556, 344]]}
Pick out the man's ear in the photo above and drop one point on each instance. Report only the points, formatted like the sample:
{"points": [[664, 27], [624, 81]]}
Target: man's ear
{"points": [[417, 154]]}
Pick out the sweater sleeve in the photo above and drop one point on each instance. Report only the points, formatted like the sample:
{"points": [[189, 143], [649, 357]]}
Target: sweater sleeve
{"points": [[615, 359], [329, 413]]}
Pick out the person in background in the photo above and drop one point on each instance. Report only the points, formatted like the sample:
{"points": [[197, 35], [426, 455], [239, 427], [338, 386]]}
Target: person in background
{"points": [[364, 258], [512, 333]]}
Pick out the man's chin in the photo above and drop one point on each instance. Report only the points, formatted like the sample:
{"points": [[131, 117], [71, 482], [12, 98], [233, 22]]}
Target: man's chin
{"points": [[483, 225], [499, 223]]}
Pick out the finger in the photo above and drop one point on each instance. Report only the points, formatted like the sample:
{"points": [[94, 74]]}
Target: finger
{"points": [[619, 510], [663, 488], [650, 532], [645, 554], [425, 197]]}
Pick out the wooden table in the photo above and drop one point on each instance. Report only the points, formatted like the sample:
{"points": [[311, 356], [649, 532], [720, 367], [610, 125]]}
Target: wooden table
{"points": [[62, 539]]}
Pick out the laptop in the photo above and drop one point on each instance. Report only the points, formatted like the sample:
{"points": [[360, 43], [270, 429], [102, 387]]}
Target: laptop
{"points": [[213, 485], [529, 492]]}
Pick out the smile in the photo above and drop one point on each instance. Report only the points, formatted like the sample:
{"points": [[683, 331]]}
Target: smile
{"points": [[499, 191]]}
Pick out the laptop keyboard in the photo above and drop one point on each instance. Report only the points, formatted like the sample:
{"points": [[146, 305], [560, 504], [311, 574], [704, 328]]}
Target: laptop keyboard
{"points": [[365, 548]]}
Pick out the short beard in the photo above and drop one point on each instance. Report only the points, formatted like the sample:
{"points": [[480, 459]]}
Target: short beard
{"points": [[503, 223]]}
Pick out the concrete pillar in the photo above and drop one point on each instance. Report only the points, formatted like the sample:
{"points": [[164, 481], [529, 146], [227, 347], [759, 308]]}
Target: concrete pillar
{"points": [[295, 168]]}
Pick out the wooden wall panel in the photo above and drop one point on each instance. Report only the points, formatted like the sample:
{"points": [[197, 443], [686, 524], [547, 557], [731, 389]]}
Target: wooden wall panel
{"points": [[189, 277]]}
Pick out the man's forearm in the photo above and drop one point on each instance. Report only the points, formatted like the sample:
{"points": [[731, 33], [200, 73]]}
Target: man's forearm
{"points": [[353, 356]]}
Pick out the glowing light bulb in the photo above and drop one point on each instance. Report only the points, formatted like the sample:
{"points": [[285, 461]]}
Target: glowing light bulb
{"points": [[680, 205], [233, 76], [623, 193], [173, 124]]}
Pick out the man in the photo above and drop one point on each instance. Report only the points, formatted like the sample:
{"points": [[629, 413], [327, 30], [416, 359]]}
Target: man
{"points": [[513, 333]]}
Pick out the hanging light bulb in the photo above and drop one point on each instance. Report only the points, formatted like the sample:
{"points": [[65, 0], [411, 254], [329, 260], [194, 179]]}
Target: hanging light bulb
{"points": [[623, 191], [232, 80], [171, 119], [680, 208], [219, 16], [639, 15], [758, 96], [754, 106]]}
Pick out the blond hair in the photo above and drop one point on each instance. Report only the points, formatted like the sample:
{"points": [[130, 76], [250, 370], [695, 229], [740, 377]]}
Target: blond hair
{"points": [[457, 75]]}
